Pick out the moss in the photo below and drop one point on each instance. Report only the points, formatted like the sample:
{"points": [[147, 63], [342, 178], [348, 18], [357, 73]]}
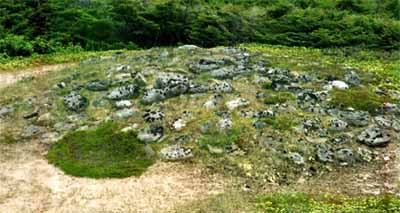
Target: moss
{"points": [[281, 122], [278, 97], [298, 202], [100, 153], [360, 98]]}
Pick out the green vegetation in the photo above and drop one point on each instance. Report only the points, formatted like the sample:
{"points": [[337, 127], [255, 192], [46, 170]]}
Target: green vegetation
{"points": [[278, 97], [297, 202], [363, 98], [99, 153], [47, 26]]}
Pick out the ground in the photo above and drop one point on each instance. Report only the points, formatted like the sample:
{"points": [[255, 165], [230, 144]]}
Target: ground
{"points": [[30, 184]]}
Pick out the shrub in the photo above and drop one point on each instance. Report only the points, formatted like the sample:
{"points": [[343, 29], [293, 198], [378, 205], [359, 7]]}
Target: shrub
{"points": [[14, 45], [100, 153]]}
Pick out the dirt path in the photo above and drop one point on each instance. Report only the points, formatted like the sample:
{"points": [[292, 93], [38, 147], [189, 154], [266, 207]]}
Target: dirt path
{"points": [[29, 184], [8, 78]]}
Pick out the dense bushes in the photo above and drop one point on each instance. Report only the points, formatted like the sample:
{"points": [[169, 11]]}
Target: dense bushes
{"points": [[34, 26]]}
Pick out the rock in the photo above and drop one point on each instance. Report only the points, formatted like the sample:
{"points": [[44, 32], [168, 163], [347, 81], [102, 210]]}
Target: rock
{"points": [[153, 96], [324, 153], [151, 115], [239, 102], [214, 149], [374, 137], [208, 64], [188, 47], [340, 85], [130, 128], [222, 87], [31, 115], [297, 158], [382, 121], [167, 80], [123, 104], [206, 127], [76, 102], [179, 124], [198, 88], [307, 99], [345, 156], [176, 152], [337, 125], [124, 113], [123, 68], [223, 73], [45, 119], [5, 111], [225, 124], [50, 138], [264, 114], [340, 139], [365, 154], [151, 134], [352, 78], [259, 124], [31, 130], [213, 102], [124, 92], [139, 79], [280, 77], [97, 85], [355, 118]]}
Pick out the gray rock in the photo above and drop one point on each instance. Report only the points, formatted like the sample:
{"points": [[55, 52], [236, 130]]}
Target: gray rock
{"points": [[345, 155], [296, 158], [5, 111], [45, 119], [167, 80], [222, 87], [225, 124], [123, 104], [76, 102], [324, 153], [197, 88], [337, 125], [374, 137], [176, 152], [239, 102], [124, 92], [213, 101], [153, 96], [352, 78], [382, 121], [340, 139], [124, 113], [151, 134], [223, 73], [123, 68], [31, 130], [97, 85], [355, 118], [259, 124], [152, 115]]}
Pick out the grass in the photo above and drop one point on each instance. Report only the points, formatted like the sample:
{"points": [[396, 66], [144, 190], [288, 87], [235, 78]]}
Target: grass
{"points": [[278, 97], [298, 202], [19, 63], [360, 98], [100, 153]]}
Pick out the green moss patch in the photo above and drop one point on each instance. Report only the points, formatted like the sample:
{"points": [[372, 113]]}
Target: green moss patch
{"points": [[100, 153], [298, 202], [363, 98]]}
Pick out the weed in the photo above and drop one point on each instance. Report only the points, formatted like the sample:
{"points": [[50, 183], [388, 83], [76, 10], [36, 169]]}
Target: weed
{"points": [[100, 153]]}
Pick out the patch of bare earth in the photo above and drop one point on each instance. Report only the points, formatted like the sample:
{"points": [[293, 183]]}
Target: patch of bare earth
{"points": [[8, 78], [29, 184]]}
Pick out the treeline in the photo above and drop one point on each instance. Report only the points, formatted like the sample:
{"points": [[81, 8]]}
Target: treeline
{"points": [[45, 26]]}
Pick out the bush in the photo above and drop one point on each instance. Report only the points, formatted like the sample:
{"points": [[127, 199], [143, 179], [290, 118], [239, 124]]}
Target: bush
{"points": [[13, 45], [100, 153]]}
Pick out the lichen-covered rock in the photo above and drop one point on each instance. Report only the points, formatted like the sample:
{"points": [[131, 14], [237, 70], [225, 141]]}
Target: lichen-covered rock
{"points": [[339, 85], [165, 80], [151, 134], [97, 85], [345, 156], [382, 121], [352, 78], [152, 115], [176, 152], [31, 130], [4, 111], [208, 64], [224, 73], [296, 158], [222, 87], [355, 118], [374, 137], [324, 153], [213, 101], [337, 125], [123, 104], [195, 88], [239, 102], [153, 96], [125, 113], [123, 68], [225, 124], [340, 139], [124, 92], [76, 102], [178, 124]]}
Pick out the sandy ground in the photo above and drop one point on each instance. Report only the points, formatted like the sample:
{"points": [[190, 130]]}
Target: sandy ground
{"points": [[29, 184], [8, 78]]}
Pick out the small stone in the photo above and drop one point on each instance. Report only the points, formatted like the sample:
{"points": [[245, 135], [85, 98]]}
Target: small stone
{"points": [[151, 134], [76, 102], [337, 125], [345, 155], [97, 85], [225, 124], [179, 124], [324, 153], [297, 158], [213, 102], [340, 85], [45, 119], [152, 115], [222, 87], [124, 113], [153, 96], [124, 92], [4, 111], [355, 118], [31, 131]]}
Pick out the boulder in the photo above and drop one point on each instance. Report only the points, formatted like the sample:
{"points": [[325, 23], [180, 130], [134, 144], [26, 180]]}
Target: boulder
{"points": [[124, 92], [153, 96], [374, 137]]}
